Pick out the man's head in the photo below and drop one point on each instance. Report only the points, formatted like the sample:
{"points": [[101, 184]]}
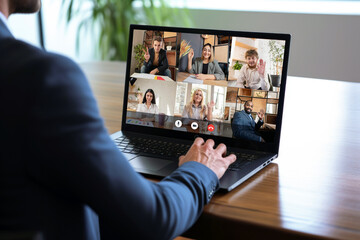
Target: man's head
{"points": [[8, 7], [251, 57], [248, 107], [157, 43]]}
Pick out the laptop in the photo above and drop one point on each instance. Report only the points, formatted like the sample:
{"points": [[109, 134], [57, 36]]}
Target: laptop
{"points": [[183, 83]]}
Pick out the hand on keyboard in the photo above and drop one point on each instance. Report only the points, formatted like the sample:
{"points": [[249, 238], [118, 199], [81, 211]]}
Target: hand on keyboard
{"points": [[206, 154]]}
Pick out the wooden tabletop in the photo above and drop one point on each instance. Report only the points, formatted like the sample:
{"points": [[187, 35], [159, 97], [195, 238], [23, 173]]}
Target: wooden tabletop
{"points": [[181, 76], [311, 191]]}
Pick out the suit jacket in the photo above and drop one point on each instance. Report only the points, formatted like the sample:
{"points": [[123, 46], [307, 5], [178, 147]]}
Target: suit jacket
{"points": [[58, 166], [244, 127], [163, 62], [213, 68]]}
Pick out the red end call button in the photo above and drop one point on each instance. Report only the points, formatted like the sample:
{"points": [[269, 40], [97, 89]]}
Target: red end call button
{"points": [[211, 128]]}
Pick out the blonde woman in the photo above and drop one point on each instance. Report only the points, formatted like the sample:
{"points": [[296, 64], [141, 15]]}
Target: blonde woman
{"points": [[196, 108], [205, 68]]}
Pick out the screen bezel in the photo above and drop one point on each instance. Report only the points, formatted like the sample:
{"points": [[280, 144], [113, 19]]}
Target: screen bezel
{"points": [[239, 143]]}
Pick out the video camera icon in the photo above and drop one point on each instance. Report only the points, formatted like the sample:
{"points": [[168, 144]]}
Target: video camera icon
{"points": [[194, 125]]}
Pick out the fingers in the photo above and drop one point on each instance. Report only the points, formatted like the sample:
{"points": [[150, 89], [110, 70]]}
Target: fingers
{"points": [[231, 158], [147, 50], [210, 143], [198, 141], [221, 148]]}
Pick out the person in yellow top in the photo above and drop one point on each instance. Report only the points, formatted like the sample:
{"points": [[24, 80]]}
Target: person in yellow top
{"points": [[156, 62]]}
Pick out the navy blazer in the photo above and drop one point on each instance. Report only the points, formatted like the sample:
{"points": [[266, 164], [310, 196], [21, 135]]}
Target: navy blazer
{"points": [[58, 166], [244, 127], [163, 62]]}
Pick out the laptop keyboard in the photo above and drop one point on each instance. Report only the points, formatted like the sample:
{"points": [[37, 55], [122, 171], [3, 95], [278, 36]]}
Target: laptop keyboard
{"points": [[170, 150], [151, 147]]}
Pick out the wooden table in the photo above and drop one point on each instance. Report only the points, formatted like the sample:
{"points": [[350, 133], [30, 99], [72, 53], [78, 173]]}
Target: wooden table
{"points": [[313, 188], [181, 76]]}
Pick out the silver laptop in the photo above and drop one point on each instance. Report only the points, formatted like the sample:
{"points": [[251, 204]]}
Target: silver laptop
{"points": [[182, 83]]}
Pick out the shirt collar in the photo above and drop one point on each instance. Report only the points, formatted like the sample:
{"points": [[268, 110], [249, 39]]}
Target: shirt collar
{"points": [[4, 20], [193, 105]]}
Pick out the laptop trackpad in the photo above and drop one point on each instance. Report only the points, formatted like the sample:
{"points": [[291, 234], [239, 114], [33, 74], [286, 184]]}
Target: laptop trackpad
{"points": [[149, 163]]}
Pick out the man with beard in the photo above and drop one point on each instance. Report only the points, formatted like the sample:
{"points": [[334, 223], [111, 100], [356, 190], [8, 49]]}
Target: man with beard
{"points": [[252, 75], [60, 173], [244, 126]]}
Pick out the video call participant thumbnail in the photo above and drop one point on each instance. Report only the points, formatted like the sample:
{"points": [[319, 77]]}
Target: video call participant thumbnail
{"points": [[244, 126], [205, 67], [252, 75], [156, 62], [196, 108]]}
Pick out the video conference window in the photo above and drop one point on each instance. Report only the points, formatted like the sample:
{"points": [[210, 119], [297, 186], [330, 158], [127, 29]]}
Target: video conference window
{"points": [[210, 84]]}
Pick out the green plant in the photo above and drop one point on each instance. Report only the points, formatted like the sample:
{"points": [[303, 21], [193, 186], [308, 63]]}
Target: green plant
{"points": [[139, 50], [109, 21], [237, 66], [276, 56]]}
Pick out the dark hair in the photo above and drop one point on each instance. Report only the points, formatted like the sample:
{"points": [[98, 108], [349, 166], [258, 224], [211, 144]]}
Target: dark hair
{"points": [[207, 44], [157, 38], [247, 102], [211, 56], [152, 92], [251, 52]]}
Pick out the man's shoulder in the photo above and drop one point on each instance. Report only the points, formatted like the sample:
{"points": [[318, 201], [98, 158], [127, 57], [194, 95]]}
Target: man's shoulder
{"points": [[32, 60], [18, 51], [239, 113]]}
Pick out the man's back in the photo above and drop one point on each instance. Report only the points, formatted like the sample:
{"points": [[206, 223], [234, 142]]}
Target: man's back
{"points": [[26, 202], [57, 160]]}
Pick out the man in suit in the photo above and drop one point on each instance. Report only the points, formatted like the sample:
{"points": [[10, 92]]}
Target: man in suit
{"points": [[60, 171], [244, 126], [156, 62]]}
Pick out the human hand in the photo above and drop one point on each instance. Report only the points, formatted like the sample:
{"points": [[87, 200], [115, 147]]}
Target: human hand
{"points": [[210, 105], [201, 76], [205, 153], [155, 71], [261, 114], [191, 54], [261, 67], [146, 54]]}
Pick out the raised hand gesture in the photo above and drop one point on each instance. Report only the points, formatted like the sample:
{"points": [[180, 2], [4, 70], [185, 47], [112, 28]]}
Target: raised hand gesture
{"points": [[261, 114], [210, 105], [146, 54], [191, 54], [261, 67]]}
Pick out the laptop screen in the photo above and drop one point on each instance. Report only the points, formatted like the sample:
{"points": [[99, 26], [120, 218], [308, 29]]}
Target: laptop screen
{"points": [[220, 84]]}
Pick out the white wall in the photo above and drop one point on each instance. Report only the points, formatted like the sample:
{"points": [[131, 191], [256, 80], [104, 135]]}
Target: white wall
{"points": [[165, 93], [24, 27], [323, 46]]}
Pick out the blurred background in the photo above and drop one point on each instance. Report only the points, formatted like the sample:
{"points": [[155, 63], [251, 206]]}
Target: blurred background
{"points": [[325, 34]]}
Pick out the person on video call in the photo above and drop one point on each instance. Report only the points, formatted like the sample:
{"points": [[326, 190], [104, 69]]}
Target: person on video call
{"points": [[61, 175], [252, 75], [156, 62], [196, 108], [148, 104], [206, 67], [244, 126]]}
